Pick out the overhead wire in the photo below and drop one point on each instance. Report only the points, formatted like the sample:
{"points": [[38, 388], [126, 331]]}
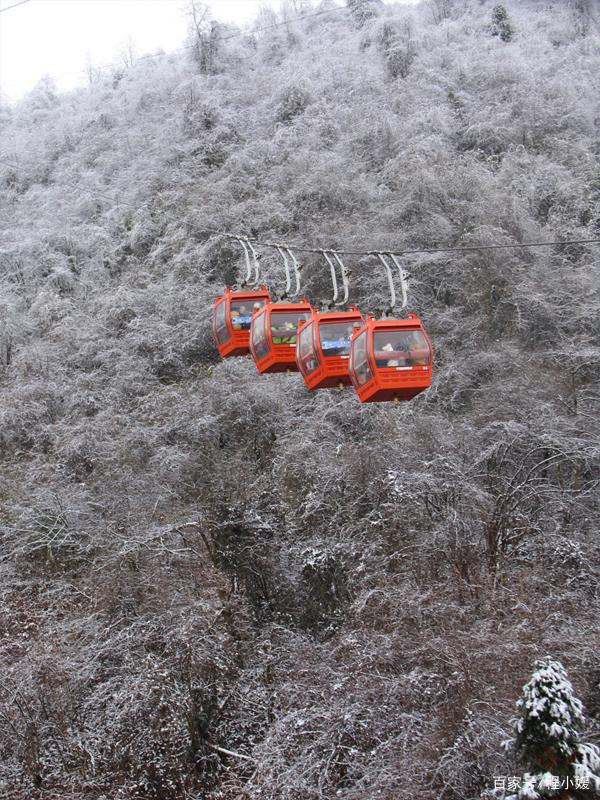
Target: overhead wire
{"points": [[402, 252], [319, 250], [285, 22], [302, 248], [14, 5], [187, 48]]}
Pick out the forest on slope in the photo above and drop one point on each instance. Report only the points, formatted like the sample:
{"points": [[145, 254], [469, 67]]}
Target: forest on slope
{"points": [[197, 559]]}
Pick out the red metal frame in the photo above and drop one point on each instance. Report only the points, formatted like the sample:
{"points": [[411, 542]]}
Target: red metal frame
{"points": [[390, 382], [235, 342], [322, 371], [270, 356]]}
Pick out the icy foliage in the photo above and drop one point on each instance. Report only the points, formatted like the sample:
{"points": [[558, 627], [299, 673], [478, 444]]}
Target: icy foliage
{"points": [[547, 740], [550, 715], [501, 25]]}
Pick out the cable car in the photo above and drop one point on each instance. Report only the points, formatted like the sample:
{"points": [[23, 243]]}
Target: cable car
{"points": [[232, 311], [273, 335], [274, 327], [323, 348], [390, 359], [232, 316]]}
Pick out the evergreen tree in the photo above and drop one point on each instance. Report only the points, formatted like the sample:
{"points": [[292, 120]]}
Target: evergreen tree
{"points": [[550, 716], [547, 740], [364, 10], [501, 25]]}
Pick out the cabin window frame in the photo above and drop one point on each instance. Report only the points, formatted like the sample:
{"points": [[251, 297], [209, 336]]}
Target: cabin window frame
{"points": [[368, 371], [311, 355], [302, 316], [249, 303], [222, 332], [259, 336], [351, 324], [401, 359]]}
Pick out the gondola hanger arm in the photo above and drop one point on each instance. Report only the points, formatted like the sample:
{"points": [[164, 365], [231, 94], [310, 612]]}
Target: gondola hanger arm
{"points": [[403, 279], [287, 254], [345, 273], [251, 259], [328, 258], [383, 257], [255, 262], [246, 280], [297, 269], [333, 258], [288, 278], [390, 279]]}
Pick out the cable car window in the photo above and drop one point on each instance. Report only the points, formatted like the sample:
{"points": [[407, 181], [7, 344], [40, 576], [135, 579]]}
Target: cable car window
{"points": [[360, 365], [401, 349], [306, 350], [241, 313], [284, 326], [259, 337], [335, 337], [220, 323]]}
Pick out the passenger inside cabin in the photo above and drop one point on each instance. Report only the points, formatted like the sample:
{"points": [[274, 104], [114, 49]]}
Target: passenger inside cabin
{"points": [[327, 337], [388, 347], [419, 355], [244, 318], [286, 334], [235, 323], [406, 349], [401, 347], [335, 338]]}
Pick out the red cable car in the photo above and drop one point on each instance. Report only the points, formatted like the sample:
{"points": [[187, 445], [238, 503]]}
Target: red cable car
{"points": [[232, 316], [323, 349], [273, 335], [390, 359]]}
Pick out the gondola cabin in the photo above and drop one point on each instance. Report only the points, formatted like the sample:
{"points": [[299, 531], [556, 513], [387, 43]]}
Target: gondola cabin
{"points": [[273, 335], [323, 348], [232, 315], [390, 359]]}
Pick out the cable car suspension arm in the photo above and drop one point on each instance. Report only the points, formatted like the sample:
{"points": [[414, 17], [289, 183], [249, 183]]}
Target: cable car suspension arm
{"points": [[248, 248], [287, 254], [330, 255], [403, 278]]}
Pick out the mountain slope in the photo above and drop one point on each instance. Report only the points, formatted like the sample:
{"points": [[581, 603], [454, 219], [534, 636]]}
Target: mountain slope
{"points": [[197, 558]]}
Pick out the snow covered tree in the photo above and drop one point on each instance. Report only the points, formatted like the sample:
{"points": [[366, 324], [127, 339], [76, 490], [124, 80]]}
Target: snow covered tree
{"points": [[501, 25], [584, 14], [547, 740], [364, 10], [204, 32]]}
